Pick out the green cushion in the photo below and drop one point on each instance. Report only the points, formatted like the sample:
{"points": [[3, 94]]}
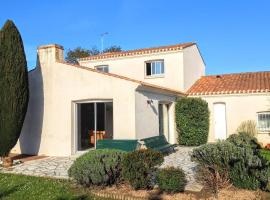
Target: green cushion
{"points": [[124, 145]]}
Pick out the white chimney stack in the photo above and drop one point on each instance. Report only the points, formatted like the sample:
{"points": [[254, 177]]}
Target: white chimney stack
{"points": [[49, 54]]}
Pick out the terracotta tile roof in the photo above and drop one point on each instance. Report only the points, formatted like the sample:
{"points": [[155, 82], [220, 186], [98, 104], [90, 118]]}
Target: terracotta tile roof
{"points": [[250, 82], [179, 93], [139, 51]]}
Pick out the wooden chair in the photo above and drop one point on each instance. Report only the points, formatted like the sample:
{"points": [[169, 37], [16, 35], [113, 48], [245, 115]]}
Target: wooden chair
{"points": [[100, 135]]}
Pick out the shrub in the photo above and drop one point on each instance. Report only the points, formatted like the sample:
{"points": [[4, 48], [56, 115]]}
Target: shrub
{"points": [[265, 153], [249, 127], [98, 167], [213, 178], [241, 178], [192, 121], [139, 166], [221, 155], [214, 164], [171, 180], [244, 140], [252, 169], [240, 157]]}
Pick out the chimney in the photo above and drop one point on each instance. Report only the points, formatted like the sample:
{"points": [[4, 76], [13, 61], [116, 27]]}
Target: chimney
{"points": [[49, 54]]}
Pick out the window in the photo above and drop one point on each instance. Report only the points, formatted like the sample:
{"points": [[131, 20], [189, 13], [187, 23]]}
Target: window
{"points": [[103, 68], [263, 121], [154, 68]]}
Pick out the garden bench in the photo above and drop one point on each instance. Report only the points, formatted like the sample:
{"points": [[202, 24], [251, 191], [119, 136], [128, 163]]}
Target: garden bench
{"points": [[124, 145], [158, 143]]}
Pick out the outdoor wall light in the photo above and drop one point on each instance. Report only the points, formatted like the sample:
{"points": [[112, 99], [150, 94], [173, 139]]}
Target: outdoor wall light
{"points": [[149, 101]]}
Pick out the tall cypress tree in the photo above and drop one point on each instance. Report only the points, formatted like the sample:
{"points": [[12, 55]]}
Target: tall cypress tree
{"points": [[14, 91]]}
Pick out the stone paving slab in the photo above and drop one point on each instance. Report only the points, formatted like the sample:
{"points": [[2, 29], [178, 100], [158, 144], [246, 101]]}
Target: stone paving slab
{"points": [[57, 167], [181, 158]]}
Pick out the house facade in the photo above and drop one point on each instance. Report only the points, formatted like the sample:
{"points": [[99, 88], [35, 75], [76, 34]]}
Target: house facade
{"points": [[233, 99], [132, 95], [175, 66], [71, 106]]}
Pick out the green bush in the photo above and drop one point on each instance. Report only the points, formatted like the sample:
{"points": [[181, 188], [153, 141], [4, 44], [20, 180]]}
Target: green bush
{"points": [[98, 167], [239, 155], [251, 172], [171, 180], [221, 155], [244, 140], [265, 153], [192, 121], [139, 167], [241, 178]]}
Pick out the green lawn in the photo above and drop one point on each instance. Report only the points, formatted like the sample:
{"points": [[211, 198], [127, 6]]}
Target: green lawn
{"points": [[266, 154], [17, 187]]}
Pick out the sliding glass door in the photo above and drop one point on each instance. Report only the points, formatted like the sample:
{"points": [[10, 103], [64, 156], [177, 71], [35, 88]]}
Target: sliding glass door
{"points": [[94, 122]]}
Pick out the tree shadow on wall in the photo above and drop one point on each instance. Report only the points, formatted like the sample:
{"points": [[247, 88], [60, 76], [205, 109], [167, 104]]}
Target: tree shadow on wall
{"points": [[32, 128]]}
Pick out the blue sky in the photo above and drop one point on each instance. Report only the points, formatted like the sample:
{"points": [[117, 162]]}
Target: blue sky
{"points": [[233, 35]]}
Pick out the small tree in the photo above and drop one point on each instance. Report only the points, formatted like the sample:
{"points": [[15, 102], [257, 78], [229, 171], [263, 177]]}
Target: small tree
{"points": [[113, 48], [192, 121], [13, 87], [75, 54]]}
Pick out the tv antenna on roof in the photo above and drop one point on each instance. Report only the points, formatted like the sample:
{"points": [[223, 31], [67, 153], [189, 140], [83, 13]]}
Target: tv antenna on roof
{"points": [[102, 40]]}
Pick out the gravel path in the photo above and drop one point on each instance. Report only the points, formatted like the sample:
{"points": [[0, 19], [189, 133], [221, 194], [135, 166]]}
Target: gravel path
{"points": [[181, 158]]}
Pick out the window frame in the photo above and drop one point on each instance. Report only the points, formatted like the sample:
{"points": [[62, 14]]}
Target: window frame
{"points": [[262, 130], [160, 75], [103, 66]]}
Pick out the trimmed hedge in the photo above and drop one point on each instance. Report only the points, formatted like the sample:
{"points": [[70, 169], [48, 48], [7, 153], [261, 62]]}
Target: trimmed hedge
{"points": [[97, 167], [139, 167], [192, 121], [171, 180]]}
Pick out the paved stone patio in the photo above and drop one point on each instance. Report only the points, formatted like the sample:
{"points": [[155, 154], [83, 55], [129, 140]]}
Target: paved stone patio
{"points": [[58, 166], [181, 158], [48, 167]]}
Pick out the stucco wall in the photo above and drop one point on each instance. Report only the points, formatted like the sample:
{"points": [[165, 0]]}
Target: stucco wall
{"points": [[194, 66], [56, 88], [134, 67], [48, 127], [239, 108], [147, 118]]}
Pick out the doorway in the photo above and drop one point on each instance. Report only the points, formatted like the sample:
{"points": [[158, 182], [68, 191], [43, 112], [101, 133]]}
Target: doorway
{"points": [[163, 116], [94, 122], [220, 125]]}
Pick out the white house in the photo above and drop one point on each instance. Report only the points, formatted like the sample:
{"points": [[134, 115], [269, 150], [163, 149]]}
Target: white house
{"points": [[132, 95], [175, 66], [233, 99], [69, 103]]}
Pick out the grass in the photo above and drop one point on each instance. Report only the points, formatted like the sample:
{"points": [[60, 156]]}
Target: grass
{"points": [[17, 187], [265, 153]]}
